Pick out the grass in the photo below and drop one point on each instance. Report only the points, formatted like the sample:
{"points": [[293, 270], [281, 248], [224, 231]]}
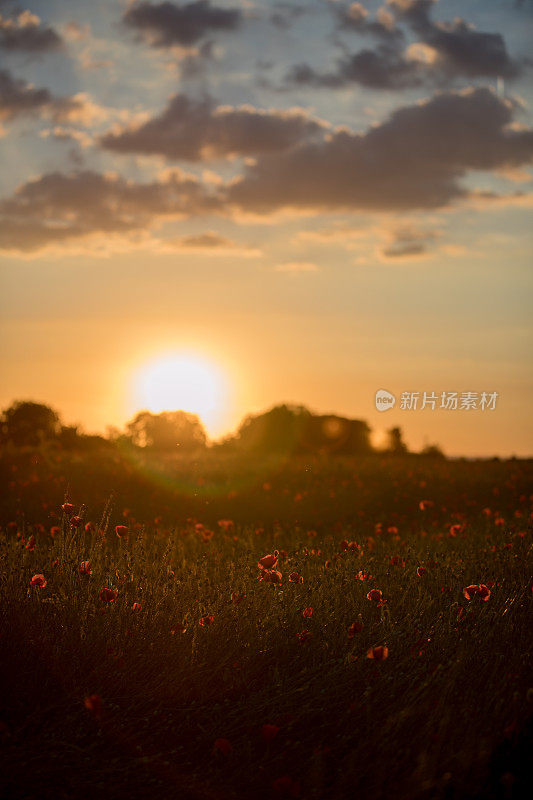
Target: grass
{"points": [[178, 707]]}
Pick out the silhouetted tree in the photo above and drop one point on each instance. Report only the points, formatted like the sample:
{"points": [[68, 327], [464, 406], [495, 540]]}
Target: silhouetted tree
{"points": [[29, 423], [278, 430], [167, 431], [396, 444], [432, 451], [294, 429]]}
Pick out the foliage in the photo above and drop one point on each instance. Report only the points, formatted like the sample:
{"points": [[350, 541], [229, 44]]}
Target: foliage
{"points": [[147, 657]]}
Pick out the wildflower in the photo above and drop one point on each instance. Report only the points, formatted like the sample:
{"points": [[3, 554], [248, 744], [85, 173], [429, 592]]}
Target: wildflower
{"points": [[85, 568], [90, 527], [76, 522], [286, 786], [30, 544], [363, 575], [304, 636], [237, 598], [269, 732], [397, 561], [108, 595], [376, 595], [121, 531], [476, 590], [355, 627], [136, 607], [55, 530], [223, 746], [379, 653], [308, 612], [267, 562], [421, 571], [294, 577], [270, 576], [93, 703], [68, 508], [205, 621], [178, 629], [39, 580]]}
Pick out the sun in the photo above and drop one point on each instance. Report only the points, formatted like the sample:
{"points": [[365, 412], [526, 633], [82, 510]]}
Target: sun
{"points": [[184, 382]]}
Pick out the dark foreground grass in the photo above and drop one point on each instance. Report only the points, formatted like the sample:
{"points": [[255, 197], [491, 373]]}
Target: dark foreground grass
{"points": [[169, 698]]}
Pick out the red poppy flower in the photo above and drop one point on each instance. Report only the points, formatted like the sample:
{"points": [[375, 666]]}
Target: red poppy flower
{"points": [[136, 607], [85, 568], [376, 595], [55, 530], [421, 571], [76, 522], [68, 508], [304, 636], [294, 577], [379, 653], [476, 590], [308, 612], [269, 732], [424, 504], [363, 575], [286, 786], [30, 544], [90, 527], [121, 531], [270, 576], [223, 746], [267, 562], [93, 703], [205, 621], [237, 598], [108, 595], [355, 627], [39, 580], [178, 629], [397, 561]]}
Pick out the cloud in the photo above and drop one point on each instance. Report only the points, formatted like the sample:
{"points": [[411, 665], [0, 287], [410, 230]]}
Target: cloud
{"points": [[462, 50], [58, 207], [20, 98], [408, 242], [195, 130], [297, 266], [168, 24], [443, 52], [355, 17], [413, 160], [209, 243], [26, 33]]}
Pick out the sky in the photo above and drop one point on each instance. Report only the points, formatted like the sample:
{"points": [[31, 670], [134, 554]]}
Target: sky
{"points": [[308, 202]]}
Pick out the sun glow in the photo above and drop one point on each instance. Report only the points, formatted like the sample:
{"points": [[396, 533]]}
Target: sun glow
{"points": [[184, 382]]}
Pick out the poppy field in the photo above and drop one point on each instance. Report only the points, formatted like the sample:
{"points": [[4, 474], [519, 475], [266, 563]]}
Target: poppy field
{"points": [[307, 627]]}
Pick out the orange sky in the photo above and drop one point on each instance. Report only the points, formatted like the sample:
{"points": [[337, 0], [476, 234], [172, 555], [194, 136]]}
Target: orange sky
{"points": [[316, 222]]}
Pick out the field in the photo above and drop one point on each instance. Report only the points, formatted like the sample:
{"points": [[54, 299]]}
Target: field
{"points": [[163, 661]]}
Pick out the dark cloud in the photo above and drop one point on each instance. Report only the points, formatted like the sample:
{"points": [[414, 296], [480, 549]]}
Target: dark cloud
{"points": [[167, 24], [409, 241], [20, 98], [443, 51], [197, 129], [355, 17], [25, 32], [383, 68], [461, 49], [413, 160], [57, 207]]}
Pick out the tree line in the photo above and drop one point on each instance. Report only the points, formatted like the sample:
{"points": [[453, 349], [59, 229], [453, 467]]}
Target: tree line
{"points": [[285, 428]]}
